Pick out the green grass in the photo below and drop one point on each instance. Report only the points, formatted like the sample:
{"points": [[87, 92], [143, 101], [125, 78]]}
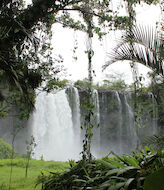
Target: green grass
{"points": [[19, 182]]}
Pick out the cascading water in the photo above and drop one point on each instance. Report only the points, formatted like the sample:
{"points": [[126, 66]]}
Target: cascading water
{"points": [[74, 102], [52, 127], [95, 97], [129, 128], [55, 124], [110, 121], [95, 145], [119, 130]]}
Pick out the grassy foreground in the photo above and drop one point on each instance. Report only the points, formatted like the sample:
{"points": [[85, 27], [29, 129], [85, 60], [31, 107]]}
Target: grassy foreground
{"points": [[19, 182]]}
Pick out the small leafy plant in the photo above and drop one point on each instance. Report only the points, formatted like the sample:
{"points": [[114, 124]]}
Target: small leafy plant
{"points": [[29, 152]]}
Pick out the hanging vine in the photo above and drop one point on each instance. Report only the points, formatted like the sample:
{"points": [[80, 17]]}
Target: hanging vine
{"points": [[88, 18]]}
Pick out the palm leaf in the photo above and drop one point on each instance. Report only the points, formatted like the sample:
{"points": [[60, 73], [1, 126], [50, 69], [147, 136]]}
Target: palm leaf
{"points": [[157, 141], [147, 49]]}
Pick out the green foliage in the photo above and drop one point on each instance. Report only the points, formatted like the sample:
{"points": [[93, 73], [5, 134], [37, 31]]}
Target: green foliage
{"points": [[26, 59], [125, 171], [141, 44], [157, 141], [6, 150], [117, 84], [157, 88], [82, 83], [56, 84], [113, 82], [29, 152]]}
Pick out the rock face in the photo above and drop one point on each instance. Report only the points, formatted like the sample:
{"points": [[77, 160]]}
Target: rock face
{"points": [[119, 131], [56, 123], [11, 128]]}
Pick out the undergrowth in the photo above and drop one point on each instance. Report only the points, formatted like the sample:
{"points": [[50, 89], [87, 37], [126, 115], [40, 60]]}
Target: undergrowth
{"points": [[125, 172]]}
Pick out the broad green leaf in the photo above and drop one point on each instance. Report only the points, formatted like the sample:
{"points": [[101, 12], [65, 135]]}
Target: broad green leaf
{"points": [[114, 171], [132, 161], [130, 170], [105, 164], [116, 186], [79, 180], [118, 178], [105, 184], [116, 163], [128, 183]]}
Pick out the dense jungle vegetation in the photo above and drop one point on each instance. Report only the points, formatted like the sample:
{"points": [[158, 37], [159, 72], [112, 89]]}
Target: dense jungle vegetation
{"points": [[26, 63]]}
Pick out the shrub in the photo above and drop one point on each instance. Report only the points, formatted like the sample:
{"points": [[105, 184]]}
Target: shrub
{"points": [[6, 150], [127, 172]]}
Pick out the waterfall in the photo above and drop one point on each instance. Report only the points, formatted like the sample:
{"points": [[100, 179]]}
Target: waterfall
{"points": [[52, 127], [119, 129], [130, 133], [74, 102], [95, 97], [110, 121], [154, 118], [95, 145], [55, 124]]}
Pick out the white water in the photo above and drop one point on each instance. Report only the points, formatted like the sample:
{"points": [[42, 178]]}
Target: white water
{"points": [[56, 122], [74, 102], [131, 129], [96, 105], [95, 146], [52, 128], [120, 127]]}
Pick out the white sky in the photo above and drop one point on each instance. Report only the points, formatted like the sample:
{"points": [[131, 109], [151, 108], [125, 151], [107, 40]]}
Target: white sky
{"points": [[64, 40]]}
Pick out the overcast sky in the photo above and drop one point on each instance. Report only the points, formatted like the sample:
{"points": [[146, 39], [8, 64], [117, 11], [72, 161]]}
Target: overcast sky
{"points": [[64, 40]]}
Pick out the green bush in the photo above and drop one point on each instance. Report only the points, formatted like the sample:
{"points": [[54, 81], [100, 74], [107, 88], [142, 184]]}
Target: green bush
{"points": [[120, 172], [82, 83], [6, 150]]}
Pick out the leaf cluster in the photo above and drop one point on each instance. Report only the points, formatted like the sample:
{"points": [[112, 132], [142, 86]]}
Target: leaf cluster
{"points": [[119, 172], [147, 48]]}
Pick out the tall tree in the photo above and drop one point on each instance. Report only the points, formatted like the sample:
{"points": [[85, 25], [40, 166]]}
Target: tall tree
{"points": [[25, 32]]}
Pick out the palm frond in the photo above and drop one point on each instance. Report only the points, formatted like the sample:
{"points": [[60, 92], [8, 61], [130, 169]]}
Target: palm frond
{"points": [[157, 141], [148, 49]]}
